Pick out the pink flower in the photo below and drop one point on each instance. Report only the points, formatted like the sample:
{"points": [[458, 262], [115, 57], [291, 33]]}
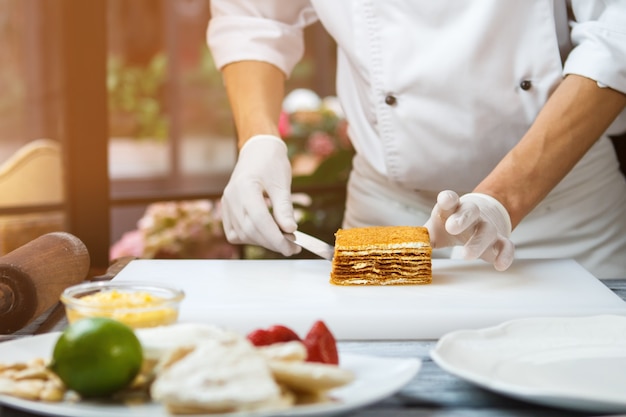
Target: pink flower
{"points": [[131, 244], [176, 229], [284, 127], [320, 144]]}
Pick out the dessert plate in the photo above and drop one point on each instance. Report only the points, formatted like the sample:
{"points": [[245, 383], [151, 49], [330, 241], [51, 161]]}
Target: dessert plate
{"points": [[376, 379], [575, 363]]}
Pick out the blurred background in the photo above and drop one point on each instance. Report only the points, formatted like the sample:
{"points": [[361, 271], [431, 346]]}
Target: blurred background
{"points": [[114, 126]]}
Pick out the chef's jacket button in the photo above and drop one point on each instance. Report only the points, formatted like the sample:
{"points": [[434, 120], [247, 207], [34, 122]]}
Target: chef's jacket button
{"points": [[390, 100], [526, 85]]}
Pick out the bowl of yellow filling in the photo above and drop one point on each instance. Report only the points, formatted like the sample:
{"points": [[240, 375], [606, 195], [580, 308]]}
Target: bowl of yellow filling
{"points": [[137, 304]]}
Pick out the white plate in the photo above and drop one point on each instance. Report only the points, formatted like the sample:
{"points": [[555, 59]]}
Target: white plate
{"points": [[376, 379], [574, 363]]}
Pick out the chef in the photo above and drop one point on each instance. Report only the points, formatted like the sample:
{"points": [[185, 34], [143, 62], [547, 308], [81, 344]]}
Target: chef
{"points": [[487, 121]]}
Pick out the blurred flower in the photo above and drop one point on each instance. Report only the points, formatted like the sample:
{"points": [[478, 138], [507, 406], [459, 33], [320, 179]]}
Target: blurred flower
{"points": [[301, 199], [314, 131], [301, 99], [320, 144], [130, 244], [307, 119], [332, 104], [284, 127], [300, 202], [177, 229]]}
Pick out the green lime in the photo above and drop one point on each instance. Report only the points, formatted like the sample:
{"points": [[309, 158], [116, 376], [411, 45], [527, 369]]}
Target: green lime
{"points": [[97, 356]]}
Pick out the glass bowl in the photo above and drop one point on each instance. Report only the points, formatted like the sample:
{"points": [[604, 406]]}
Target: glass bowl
{"points": [[137, 304]]}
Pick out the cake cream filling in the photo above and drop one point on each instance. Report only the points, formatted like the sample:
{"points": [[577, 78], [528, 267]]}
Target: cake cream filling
{"points": [[369, 252]]}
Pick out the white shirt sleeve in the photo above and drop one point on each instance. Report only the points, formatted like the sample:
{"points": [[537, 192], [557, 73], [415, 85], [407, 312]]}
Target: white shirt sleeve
{"points": [[599, 38], [266, 30]]}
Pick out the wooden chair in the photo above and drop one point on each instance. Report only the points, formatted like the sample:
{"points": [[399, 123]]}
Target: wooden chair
{"points": [[32, 176]]}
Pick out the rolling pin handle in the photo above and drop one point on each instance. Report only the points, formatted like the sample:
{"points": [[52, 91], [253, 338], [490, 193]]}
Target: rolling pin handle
{"points": [[33, 276], [7, 298]]}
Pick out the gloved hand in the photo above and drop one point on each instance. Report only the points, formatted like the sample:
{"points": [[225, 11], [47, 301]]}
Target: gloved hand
{"points": [[262, 169], [478, 222]]}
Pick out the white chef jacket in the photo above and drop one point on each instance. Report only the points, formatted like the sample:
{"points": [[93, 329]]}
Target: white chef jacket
{"points": [[437, 92]]}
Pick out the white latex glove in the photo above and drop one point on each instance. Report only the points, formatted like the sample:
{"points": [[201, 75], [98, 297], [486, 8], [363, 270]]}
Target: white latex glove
{"points": [[478, 222], [262, 170]]}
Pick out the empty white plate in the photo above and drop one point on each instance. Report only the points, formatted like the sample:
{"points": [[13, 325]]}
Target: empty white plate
{"points": [[577, 363]]}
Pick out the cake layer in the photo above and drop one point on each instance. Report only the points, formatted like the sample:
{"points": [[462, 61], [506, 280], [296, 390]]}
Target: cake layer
{"points": [[380, 238], [377, 280], [382, 255]]}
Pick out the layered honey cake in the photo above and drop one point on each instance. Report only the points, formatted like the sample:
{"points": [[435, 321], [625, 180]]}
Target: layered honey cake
{"points": [[382, 255]]}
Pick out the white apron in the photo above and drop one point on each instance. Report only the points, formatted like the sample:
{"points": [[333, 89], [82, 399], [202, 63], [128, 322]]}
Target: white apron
{"points": [[583, 218]]}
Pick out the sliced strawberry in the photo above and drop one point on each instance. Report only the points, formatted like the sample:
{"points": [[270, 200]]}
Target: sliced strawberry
{"points": [[282, 333], [321, 345], [271, 335], [260, 337]]}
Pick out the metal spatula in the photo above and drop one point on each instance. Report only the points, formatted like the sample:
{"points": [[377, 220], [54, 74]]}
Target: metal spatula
{"points": [[314, 245]]}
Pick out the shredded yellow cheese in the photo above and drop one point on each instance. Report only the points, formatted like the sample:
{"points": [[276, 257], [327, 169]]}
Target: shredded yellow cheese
{"points": [[134, 308]]}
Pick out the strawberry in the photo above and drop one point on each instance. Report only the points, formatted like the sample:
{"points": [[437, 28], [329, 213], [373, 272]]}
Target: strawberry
{"points": [[259, 337], [321, 345], [282, 333], [271, 335]]}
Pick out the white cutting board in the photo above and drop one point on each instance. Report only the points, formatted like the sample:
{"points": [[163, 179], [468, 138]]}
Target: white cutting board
{"points": [[247, 294]]}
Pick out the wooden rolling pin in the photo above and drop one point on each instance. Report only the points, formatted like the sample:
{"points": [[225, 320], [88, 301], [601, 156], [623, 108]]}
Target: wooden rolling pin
{"points": [[33, 276]]}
